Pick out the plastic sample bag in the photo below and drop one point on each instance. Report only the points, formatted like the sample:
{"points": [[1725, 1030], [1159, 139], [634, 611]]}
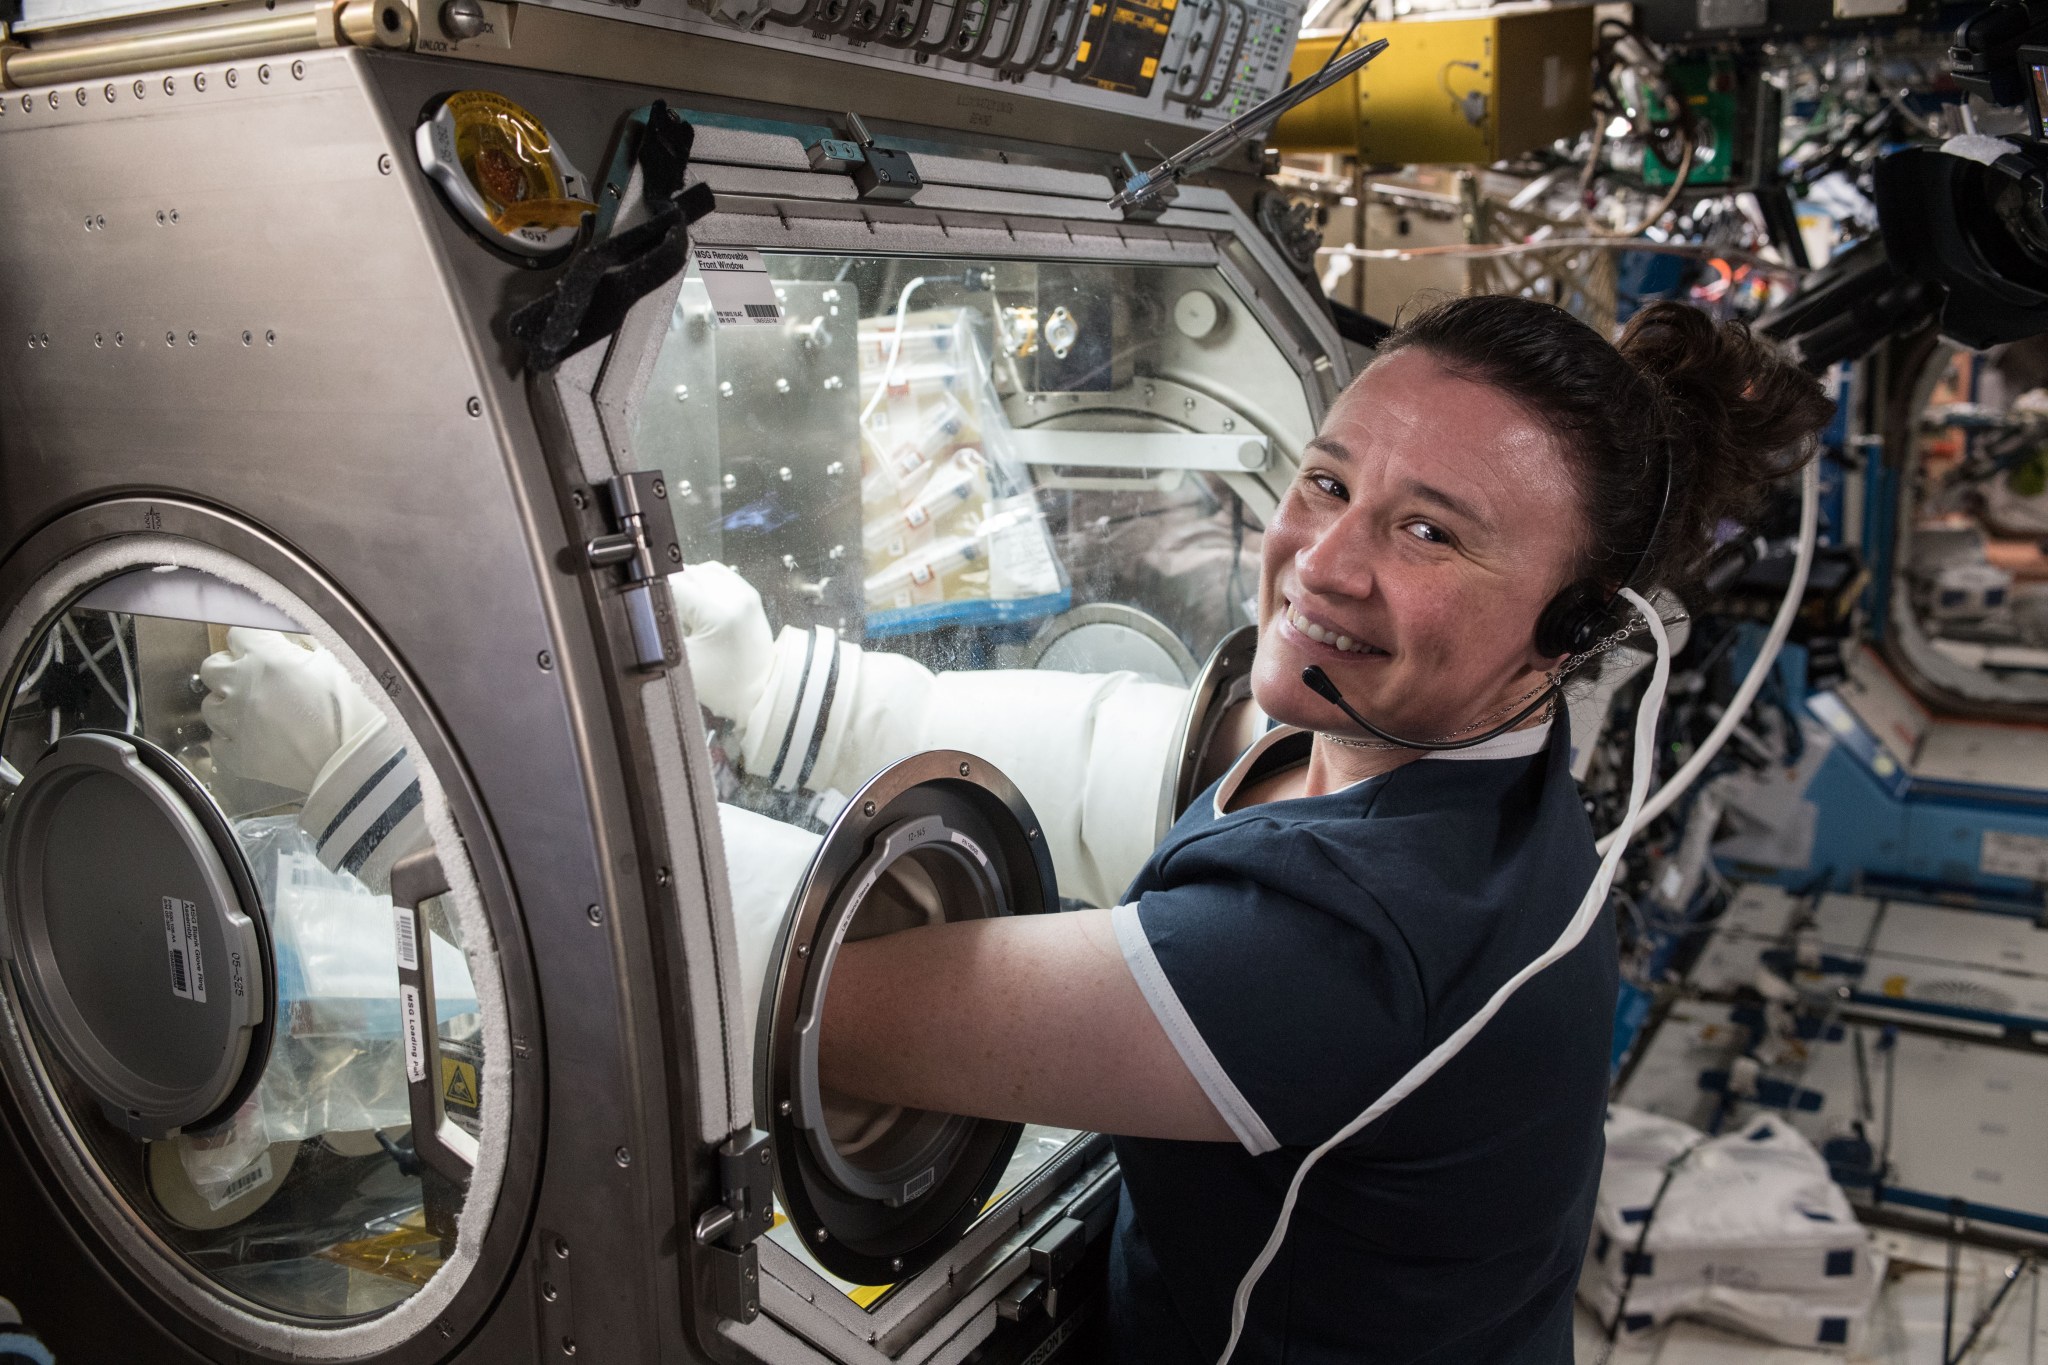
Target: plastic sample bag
{"points": [[950, 531], [337, 1062]]}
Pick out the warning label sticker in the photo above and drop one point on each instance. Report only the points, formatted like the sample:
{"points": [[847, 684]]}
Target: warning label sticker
{"points": [[738, 283], [458, 1085]]}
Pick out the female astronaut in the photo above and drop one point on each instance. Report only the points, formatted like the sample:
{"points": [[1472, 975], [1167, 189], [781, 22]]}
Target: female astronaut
{"points": [[1336, 905]]}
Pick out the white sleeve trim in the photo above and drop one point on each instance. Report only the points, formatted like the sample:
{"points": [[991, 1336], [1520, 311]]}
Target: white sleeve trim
{"points": [[1187, 1040]]}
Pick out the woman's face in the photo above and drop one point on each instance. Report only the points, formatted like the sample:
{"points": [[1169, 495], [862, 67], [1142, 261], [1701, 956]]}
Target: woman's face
{"points": [[1431, 522]]}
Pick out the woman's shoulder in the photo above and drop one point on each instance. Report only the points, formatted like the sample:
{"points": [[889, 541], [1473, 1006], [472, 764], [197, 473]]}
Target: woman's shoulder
{"points": [[1439, 841]]}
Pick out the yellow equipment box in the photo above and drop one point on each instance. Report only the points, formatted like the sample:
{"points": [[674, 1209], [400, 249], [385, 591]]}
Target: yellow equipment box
{"points": [[1454, 89]]}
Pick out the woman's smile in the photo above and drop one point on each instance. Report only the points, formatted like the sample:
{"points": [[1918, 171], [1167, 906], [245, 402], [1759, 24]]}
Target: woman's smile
{"points": [[1316, 633]]}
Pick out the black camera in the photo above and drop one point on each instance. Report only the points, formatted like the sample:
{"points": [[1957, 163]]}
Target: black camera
{"points": [[1970, 218]]}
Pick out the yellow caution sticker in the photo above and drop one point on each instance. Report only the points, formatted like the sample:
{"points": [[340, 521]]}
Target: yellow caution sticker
{"points": [[459, 1085], [503, 172], [1895, 987]]}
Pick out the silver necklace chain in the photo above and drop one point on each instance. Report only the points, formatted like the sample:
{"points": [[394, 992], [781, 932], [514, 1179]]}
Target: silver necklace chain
{"points": [[1551, 679]]}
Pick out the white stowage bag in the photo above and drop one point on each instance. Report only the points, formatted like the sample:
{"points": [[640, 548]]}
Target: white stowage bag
{"points": [[1751, 1233]]}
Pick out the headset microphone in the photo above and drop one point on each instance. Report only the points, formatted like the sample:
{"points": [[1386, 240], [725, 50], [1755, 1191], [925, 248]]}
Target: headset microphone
{"points": [[1319, 683]]}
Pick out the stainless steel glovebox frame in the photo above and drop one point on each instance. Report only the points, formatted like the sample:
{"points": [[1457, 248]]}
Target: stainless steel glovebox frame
{"points": [[246, 314]]}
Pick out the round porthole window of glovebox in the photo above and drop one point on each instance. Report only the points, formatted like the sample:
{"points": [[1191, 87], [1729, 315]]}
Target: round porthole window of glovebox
{"points": [[204, 982]]}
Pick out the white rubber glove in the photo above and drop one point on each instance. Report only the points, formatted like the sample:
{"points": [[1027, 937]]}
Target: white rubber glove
{"points": [[1089, 751], [725, 633], [278, 709]]}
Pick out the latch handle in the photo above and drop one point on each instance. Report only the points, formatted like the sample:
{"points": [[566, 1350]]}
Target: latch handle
{"points": [[746, 1181], [436, 1140], [726, 1231], [643, 546]]}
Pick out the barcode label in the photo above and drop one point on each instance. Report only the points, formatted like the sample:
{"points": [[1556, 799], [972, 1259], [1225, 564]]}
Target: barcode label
{"points": [[195, 960], [408, 938], [259, 1173], [181, 947], [741, 292]]}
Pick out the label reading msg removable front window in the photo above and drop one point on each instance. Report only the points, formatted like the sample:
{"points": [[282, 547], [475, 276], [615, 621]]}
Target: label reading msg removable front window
{"points": [[738, 284], [181, 942]]}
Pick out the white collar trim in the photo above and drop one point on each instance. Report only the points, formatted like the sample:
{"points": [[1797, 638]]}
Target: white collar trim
{"points": [[1513, 744]]}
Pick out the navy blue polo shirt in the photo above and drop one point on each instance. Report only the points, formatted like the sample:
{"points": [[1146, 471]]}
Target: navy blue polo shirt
{"points": [[1303, 955]]}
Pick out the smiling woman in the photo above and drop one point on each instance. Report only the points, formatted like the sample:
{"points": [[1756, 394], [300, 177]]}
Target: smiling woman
{"points": [[1338, 906]]}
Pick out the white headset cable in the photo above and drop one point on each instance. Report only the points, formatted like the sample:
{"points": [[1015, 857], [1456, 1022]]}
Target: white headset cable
{"points": [[1583, 919], [1752, 683]]}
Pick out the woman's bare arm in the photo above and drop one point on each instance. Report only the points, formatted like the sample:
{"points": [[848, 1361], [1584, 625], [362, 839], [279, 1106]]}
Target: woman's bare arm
{"points": [[1033, 1018]]}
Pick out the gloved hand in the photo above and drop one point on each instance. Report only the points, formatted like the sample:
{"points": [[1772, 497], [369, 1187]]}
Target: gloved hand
{"points": [[278, 710], [725, 633]]}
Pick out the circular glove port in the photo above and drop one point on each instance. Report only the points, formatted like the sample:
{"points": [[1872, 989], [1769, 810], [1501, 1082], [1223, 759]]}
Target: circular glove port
{"points": [[878, 1192]]}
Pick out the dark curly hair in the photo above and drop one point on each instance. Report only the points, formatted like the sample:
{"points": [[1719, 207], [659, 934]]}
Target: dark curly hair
{"points": [[1732, 413]]}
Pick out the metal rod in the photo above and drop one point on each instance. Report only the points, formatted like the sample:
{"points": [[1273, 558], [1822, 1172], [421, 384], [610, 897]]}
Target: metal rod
{"points": [[121, 50], [1205, 151], [1983, 1320], [1948, 1288], [1486, 250]]}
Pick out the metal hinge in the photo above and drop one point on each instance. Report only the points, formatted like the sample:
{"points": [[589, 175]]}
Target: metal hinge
{"points": [[1053, 1257], [726, 1231], [643, 546]]}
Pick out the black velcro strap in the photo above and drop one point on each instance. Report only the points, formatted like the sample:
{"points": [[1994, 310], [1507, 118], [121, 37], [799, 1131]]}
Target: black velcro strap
{"points": [[606, 278]]}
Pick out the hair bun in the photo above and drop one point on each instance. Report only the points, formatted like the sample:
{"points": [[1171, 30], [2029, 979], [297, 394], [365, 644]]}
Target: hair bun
{"points": [[1726, 375], [1738, 417]]}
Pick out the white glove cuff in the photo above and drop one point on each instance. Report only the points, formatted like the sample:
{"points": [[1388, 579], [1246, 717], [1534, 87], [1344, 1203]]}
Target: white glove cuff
{"points": [[364, 812], [786, 732]]}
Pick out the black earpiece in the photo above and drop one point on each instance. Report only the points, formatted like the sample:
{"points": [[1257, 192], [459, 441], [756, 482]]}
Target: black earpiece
{"points": [[1571, 622]]}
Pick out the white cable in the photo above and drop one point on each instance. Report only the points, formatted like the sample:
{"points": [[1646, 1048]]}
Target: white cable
{"points": [[895, 350], [1781, 626], [105, 686], [1589, 911], [127, 670], [42, 666]]}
